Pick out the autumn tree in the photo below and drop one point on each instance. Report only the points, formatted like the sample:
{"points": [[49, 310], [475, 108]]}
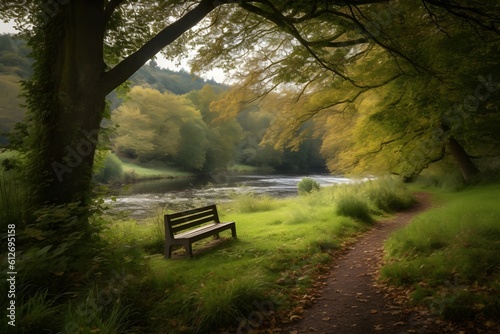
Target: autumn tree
{"points": [[150, 123], [395, 112]]}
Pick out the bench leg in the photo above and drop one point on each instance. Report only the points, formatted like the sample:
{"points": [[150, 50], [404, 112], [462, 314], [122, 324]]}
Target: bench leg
{"points": [[189, 249], [233, 231], [168, 251]]}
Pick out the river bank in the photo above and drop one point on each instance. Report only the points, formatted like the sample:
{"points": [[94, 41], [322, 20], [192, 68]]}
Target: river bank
{"points": [[143, 199]]}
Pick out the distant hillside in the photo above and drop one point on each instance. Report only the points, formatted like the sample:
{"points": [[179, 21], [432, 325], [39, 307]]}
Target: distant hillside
{"points": [[15, 65], [161, 79]]}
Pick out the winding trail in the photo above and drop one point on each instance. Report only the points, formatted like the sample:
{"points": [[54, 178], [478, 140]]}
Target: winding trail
{"points": [[350, 301]]}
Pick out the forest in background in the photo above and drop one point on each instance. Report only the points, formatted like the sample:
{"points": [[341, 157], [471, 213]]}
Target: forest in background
{"points": [[165, 117]]}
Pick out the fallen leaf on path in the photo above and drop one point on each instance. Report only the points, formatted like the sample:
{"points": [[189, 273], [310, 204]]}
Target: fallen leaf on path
{"points": [[378, 327], [374, 311]]}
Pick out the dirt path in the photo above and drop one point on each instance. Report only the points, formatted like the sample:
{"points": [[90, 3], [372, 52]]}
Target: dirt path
{"points": [[349, 301]]}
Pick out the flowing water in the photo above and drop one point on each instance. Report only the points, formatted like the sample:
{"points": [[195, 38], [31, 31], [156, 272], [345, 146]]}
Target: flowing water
{"points": [[145, 199]]}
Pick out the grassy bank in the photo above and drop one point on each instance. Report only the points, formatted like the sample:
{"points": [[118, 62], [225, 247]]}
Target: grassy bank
{"points": [[148, 172], [115, 170], [449, 256], [282, 246]]}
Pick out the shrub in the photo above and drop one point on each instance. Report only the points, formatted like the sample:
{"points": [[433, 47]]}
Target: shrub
{"points": [[130, 176], [13, 198], [388, 194], [112, 170], [348, 204], [307, 185]]}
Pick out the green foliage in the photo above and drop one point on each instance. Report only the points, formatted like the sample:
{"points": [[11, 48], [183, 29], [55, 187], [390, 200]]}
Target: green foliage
{"points": [[349, 205], [99, 311], [388, 194], [361, 200], [168, 128], [154, 242], [193, 145], [307, 185], [13, 191], [37, 312], [448, 182], [248, 203], [219, 304], [111, 171], [453, 250], [161, 79]]}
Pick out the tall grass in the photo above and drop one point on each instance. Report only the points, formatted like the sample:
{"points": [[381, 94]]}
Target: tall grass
{"points": [[98, 312], [365, 199], [13, 199], [37, 312], [454, 251], [249, 203]]}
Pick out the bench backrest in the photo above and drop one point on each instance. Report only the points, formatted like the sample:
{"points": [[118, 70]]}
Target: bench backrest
{"points": [[185, 220]]}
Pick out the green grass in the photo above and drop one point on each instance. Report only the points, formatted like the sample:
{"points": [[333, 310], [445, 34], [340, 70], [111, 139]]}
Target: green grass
{"points": [[152, 172], [282, 246], [13, 194], [249, 203], [246, 169], [453, 250]]}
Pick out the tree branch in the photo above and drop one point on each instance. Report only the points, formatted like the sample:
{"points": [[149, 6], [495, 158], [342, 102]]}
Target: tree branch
{"points": [[121, 72], [281, 21]]}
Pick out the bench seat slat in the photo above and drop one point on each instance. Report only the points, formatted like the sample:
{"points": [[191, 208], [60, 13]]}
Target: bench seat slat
{"points": [[183, 219], [186, 226], [207, 228], [191, 212]]}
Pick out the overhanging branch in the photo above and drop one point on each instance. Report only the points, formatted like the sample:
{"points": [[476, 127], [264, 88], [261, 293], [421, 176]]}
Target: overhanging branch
{"points": [[121, 72]]}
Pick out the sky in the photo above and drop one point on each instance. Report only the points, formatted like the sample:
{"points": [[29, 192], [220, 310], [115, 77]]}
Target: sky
{"points": [[216, 74]]}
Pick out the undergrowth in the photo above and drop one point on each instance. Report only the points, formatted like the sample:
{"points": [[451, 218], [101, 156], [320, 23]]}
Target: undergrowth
{"points": [[449, 255]]}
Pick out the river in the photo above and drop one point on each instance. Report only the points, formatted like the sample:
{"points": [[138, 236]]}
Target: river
{"points": [[144, 199]]}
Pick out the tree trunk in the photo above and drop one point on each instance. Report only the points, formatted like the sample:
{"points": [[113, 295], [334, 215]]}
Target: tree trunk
{"points": [[462, 159], [70, 105], [67, 96], [467, 167]]}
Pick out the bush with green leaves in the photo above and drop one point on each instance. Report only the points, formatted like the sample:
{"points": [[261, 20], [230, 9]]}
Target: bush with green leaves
{"points": [[350, 205], [307, 185], [388, 194], [111, 171]]}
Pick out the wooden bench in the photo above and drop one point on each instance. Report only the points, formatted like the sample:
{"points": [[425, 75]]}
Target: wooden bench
{"points": [[184, 228]]}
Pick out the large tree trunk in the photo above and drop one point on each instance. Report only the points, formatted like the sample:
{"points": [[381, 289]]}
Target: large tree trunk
{"points": [[462, 159], [67, 96], [69, 106], [465, 164]]}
